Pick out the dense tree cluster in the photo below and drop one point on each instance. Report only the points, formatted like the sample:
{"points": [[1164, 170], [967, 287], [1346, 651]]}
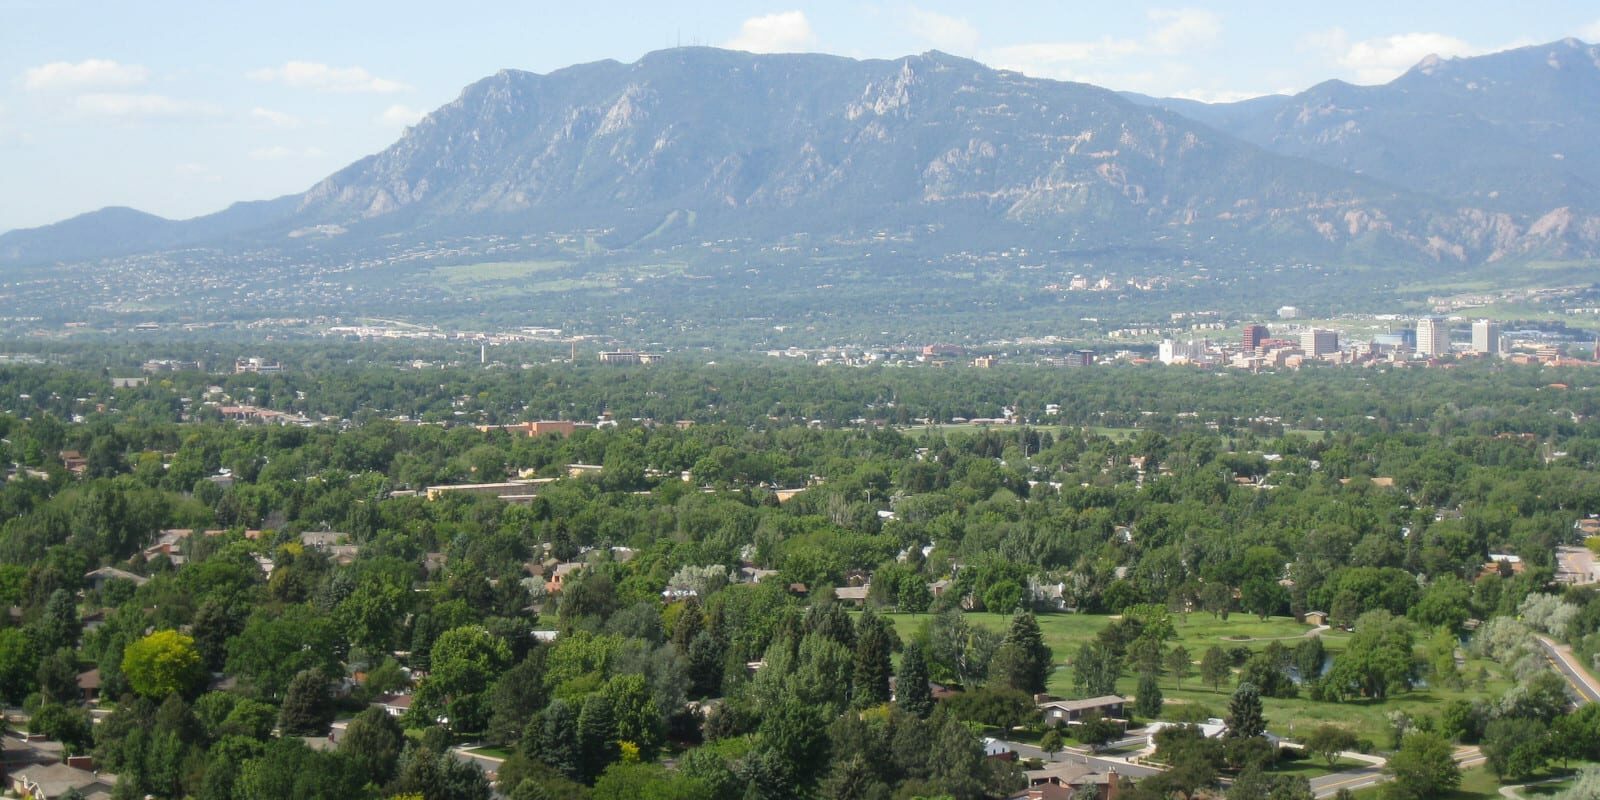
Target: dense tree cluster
{"points": [[248, 634]]}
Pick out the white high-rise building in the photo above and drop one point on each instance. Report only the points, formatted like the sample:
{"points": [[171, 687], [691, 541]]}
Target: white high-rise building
{"points": [[1178, 352], [1433, 337], [1318, 342], [1486, 338]]}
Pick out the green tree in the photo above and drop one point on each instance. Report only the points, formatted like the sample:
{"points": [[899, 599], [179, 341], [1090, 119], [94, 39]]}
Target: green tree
{"points": [[70, 726], [1244, 712], [163, 663], [1023, 660], [1378, 659], [1095, 670], [1051, 743], [1215, 667], [307, 709], [1147, 703], [373, 741], [555, 739], [872, 665], [1177, 663], [1424, 767], [597, 737], [1328, 741], [464, 661], [1515, 748], [516, 697], [1096, 731], [19, 663], [912, 692]]}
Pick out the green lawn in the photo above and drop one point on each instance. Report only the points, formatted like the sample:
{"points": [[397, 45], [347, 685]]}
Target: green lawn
{"points": [[1476, 784], [1286, 717], [1313, 767]]}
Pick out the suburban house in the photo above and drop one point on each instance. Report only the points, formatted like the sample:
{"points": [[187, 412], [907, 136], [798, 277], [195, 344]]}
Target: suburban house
{"points": [[395, 704], [994, 748], [1063, 781], [939, 691], [168, 543], [558, 576], [1072, 712], [322, 540], [89, 685], [852, 595], [99, 578], [57, 780]]}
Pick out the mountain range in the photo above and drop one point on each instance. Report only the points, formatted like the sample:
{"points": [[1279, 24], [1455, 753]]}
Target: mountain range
{"points": [[1465, 160]]}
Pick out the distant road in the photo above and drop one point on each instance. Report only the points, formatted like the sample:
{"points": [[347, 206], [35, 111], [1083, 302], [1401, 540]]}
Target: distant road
{"points": [[1078, 755], [1582, 683]]}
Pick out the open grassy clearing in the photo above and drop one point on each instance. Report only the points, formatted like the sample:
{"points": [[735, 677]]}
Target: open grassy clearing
{"points": [[1288, 717], [467, 274]]}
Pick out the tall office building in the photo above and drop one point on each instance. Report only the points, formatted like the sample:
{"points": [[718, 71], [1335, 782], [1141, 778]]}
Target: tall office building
{"points": [[1318, 342], [1433, 337], [1486, 338], [1253, 334]]}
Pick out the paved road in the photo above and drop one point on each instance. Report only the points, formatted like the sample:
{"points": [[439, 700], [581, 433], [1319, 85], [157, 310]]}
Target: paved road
{"points": [[1359, 778], [1078, 755], [1567, 666]]}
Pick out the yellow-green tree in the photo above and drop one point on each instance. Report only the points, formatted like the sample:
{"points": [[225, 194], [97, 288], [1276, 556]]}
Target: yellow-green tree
{"points": [[163, 663]]}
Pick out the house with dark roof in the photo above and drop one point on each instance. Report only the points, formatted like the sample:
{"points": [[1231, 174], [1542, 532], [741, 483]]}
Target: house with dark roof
{"points": [[1065, 780], [1072, 712]]}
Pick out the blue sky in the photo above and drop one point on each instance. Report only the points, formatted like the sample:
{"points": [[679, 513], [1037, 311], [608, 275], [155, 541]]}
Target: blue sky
{"points": [[180, 108]]}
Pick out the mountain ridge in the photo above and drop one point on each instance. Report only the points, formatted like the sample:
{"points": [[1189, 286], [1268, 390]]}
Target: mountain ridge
{"points": [[813, 143]]}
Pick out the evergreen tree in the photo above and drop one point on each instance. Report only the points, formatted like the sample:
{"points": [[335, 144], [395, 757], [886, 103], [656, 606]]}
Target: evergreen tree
{"points": [[373, 741], [912, 692], [872, 665], [957, 758], [1244, 712], [306, 707], [597, 732], [517, 695], [1022, 661], [852, 778], [706, 657], [555, 739], [1148, 702]]}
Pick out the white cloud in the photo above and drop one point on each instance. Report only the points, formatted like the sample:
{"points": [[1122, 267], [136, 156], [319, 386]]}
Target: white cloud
{"points": [[1591, 32], [323, 78], [280, 152], [139, 106], [1182, 29], [1384, 58], [783, 32], [276, 119], [94, 73], [398, 116], [1173, 33], [942, 31]]}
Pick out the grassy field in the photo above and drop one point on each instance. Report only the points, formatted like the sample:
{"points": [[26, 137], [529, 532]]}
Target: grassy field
{"points": [[1064, 633], [461, 275]]}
